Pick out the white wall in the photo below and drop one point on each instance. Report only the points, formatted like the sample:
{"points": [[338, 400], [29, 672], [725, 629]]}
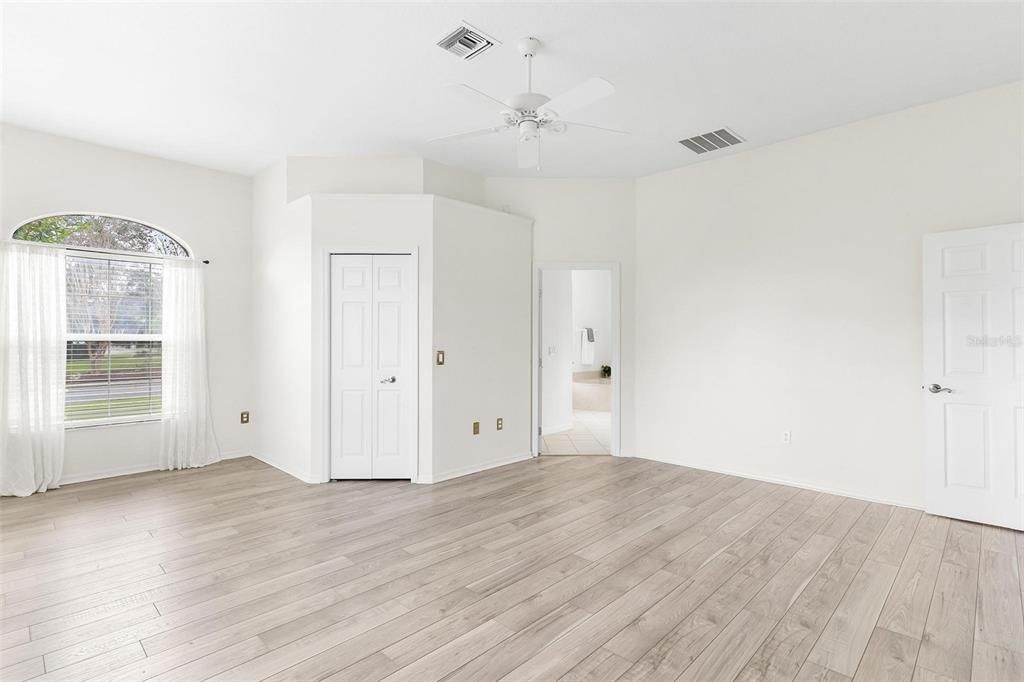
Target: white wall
{"points": [[556, 348], [482, 320], [583, 220], [208, 210], [361, 175], [591, 307], [453, 183], [352, 175], [780, 289], [281, 335]]}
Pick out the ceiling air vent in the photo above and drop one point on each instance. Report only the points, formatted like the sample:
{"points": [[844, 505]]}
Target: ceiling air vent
{"points": [[709, 142], [466, 42]]}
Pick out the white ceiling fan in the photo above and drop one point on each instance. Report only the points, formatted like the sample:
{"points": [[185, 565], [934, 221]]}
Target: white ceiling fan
{"points": [[532, 113]]}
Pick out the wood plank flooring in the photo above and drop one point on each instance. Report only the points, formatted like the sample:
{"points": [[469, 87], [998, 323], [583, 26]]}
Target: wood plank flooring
{"points": [[559, 568]]}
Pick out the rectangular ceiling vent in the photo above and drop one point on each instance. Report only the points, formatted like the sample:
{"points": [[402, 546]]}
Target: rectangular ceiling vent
{"points": [[709, 142], [466, 42]]}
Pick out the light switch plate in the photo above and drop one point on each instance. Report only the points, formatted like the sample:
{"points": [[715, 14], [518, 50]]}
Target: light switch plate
{"points": [[440, 357], [476, 428]]}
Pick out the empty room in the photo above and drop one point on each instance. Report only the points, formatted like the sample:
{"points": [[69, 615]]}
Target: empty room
{"points": [[484, 341]]}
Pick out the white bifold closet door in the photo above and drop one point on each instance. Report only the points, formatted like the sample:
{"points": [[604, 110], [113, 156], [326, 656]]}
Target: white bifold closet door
{"points": [[373, 366]]}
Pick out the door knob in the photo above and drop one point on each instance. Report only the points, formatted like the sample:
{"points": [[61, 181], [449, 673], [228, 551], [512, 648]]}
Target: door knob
{"points": [[388, 380], [935, 388]]}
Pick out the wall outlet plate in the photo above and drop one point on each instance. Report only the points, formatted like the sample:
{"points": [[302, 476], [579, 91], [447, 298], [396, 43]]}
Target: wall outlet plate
{"points": [[501, 423], [245, 417], [476, 428], [440, 357]]}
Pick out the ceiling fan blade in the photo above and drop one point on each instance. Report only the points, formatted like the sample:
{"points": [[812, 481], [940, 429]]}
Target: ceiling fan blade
{"points": [[471, 133], [584, 94], [587, 125], [529, 152], [481, 98]]}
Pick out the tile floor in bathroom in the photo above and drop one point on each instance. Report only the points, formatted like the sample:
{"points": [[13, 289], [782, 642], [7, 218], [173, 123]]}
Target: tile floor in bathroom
{"points": [[590, 435]]}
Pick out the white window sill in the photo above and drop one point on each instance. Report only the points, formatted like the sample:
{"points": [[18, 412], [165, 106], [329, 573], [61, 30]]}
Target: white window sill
{"points": [[109, 421]]}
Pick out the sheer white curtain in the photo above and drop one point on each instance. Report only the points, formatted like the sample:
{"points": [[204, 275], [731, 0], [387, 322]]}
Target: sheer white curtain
{"points": [[33, 353], [187, 438]]}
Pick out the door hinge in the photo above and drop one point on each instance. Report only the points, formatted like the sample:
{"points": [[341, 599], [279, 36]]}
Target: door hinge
{"points": [[538, 430]]}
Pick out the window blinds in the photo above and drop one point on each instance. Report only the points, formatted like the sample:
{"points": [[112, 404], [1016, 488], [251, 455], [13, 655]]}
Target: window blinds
{"points": [[114, 339]]}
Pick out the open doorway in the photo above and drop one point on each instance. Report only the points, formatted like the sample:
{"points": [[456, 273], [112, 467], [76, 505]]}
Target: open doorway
{"points": [[577, 347]]}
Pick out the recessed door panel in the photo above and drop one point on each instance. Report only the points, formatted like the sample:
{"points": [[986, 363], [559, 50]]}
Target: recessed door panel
{"points": [[355, 441], [373, 366], [389, 334], [967, 445], [389, 278], [389, 423], [964, 322], [1016, 340], [354, 277], [1018, 452], [355, 317], [965, 260]]}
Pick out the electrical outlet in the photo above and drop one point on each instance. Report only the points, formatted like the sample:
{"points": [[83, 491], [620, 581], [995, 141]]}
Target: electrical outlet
{"points": [[501, 423], [787, 437], [245, 417], [476, 428]]}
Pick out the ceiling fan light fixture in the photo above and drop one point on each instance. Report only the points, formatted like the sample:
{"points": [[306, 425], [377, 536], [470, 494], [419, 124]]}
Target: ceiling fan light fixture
{"points": [[528, 130]]}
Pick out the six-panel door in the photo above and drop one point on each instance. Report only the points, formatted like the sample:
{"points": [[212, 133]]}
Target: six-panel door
{"points": [[974, 374], [373, 366]]}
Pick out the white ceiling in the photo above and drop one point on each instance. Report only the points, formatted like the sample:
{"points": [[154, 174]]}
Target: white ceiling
{"points": [[235, 86]]}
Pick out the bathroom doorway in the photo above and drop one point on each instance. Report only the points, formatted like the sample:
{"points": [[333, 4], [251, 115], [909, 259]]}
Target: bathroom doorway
{"points": [[576, 344]]}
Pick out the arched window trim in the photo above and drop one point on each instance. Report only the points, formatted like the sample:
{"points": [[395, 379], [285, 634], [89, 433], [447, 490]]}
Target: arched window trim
{"points": [[116, 252]]}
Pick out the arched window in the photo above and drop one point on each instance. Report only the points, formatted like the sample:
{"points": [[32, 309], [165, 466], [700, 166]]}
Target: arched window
{"points": [[100, 232], [115, 271]]}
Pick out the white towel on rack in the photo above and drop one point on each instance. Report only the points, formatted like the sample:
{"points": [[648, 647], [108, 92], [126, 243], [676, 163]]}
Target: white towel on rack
{"points": [[586, 349]]}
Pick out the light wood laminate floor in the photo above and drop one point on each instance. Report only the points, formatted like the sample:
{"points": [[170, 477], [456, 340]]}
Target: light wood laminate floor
{"points": [[565, 568]]}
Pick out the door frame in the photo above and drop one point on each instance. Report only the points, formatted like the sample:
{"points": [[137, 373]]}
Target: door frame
{"points": [[413, 252], [616, 308]]}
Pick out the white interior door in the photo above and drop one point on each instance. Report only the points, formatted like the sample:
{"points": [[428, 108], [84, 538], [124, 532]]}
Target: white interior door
{"points": [[974, 374], [373, 366], [556, 336]]}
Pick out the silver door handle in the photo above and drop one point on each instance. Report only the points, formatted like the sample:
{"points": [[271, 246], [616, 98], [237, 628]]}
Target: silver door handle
{"points": [[388, 380], [935, 388]]}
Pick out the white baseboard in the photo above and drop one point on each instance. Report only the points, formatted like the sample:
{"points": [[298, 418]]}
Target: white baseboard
{"points": [[793, 483], [136, 469], [476, 468], [108, 473]]}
